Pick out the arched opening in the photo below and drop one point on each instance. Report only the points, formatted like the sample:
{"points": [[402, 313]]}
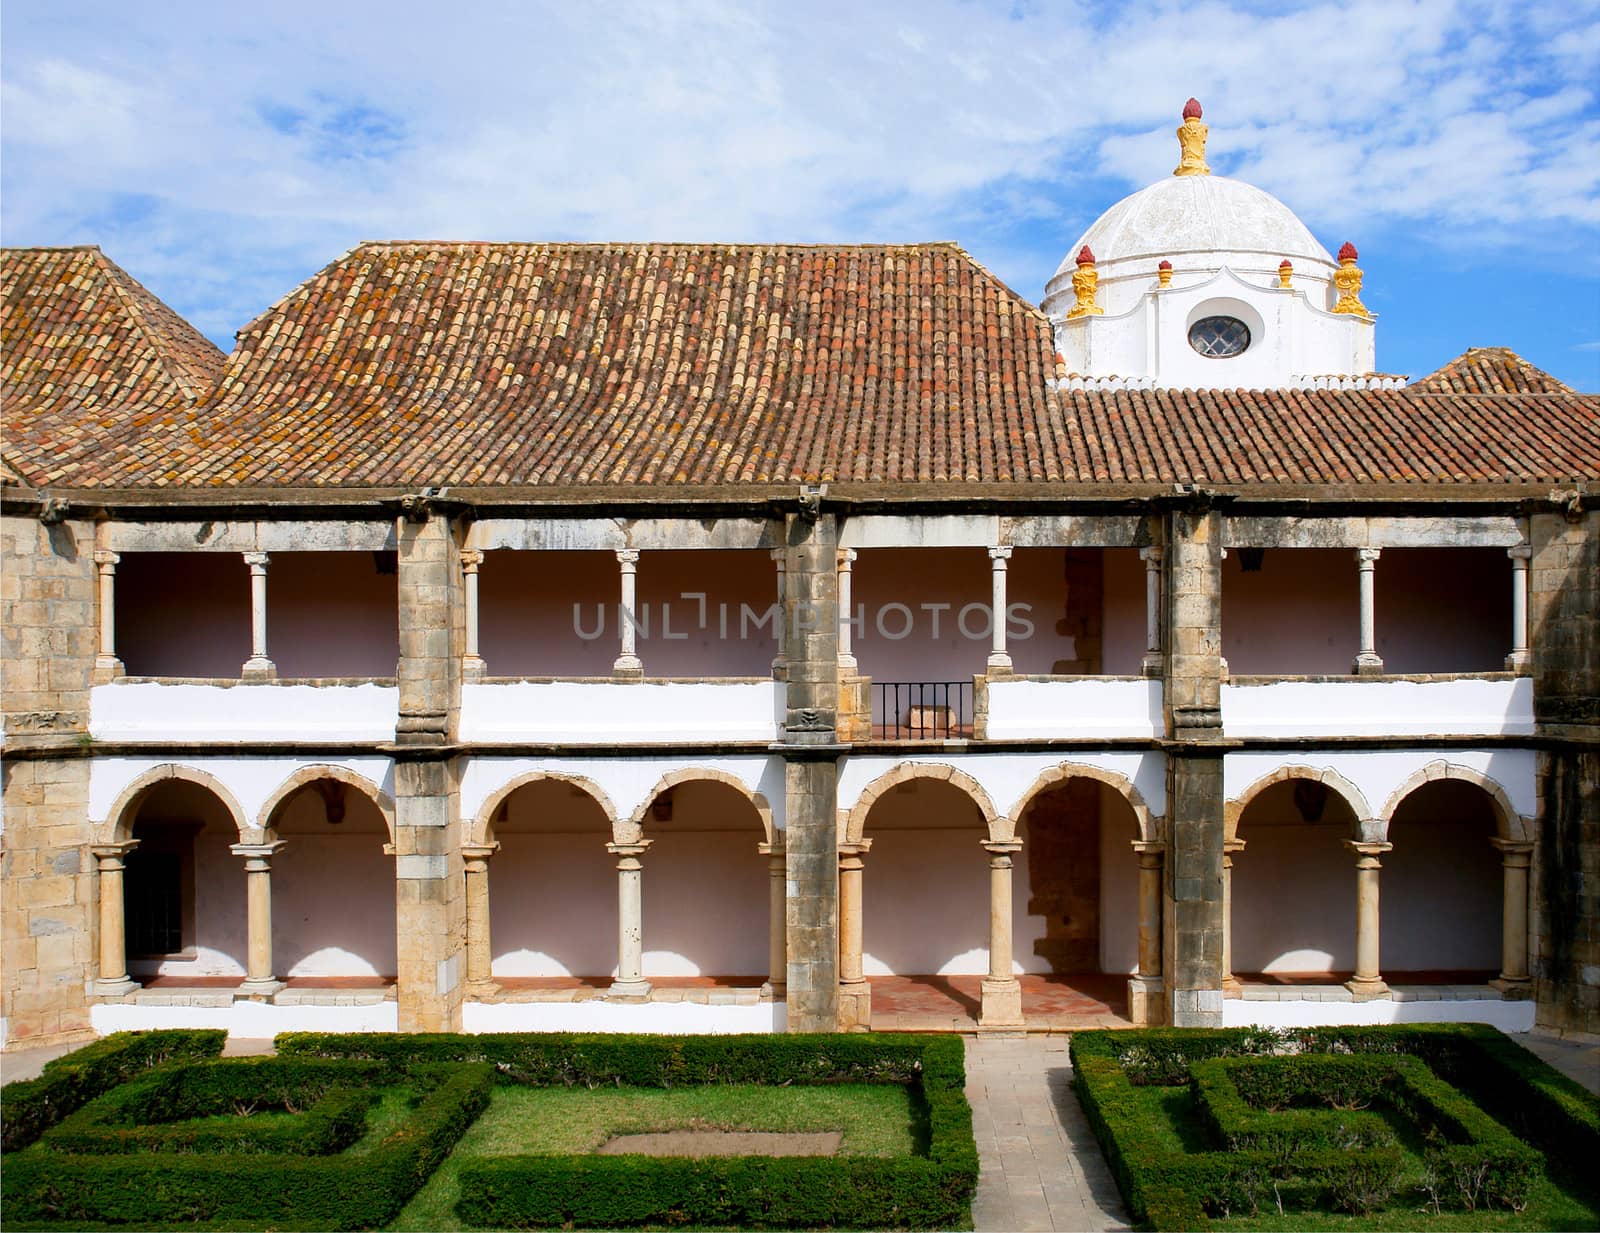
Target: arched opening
{"points": [[705, 836], [183, 890], [1442, 885], [1294, 889], [552, 888], [333, 886]]}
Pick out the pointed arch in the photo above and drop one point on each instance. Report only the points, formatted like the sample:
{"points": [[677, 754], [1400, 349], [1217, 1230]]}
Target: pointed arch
{"points": [[1331, 779], [689, 775], [481, 830], [326, 770], [854, 822], [1509, 824], [118, 824], [1150, 826]]}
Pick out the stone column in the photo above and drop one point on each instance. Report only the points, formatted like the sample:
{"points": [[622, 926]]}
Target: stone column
{"points": [[628, 666], [777, 922], [113, 981], [1368, 981], [1152, 664], [630, 981], [780, 666], [1144, 989], [480, 978], [107, 666], [472, 666], [847, 661], [1367, 662], [1002, 992], [1515, 857], [1230, 983], [999, 657], [855, 994], [259, 980], [1519, 660], [258, 667]]}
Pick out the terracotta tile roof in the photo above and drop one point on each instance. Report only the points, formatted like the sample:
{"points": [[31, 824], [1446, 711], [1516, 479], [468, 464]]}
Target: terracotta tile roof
{"points": [[1489, 370], [642, 366], [87, 355]]}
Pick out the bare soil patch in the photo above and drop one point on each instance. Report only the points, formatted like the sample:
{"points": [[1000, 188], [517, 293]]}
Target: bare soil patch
{"points": [[702, 1143]]}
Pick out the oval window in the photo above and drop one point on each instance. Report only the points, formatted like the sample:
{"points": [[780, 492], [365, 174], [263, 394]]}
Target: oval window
{"points": [[1218, 338]]}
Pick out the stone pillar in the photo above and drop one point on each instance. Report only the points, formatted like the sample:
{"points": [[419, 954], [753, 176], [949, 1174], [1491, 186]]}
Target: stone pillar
{"points": [[1368, 981], [1144, 989], [1516, 856], [628, 666], [1192, 871], [999, 657], [1002, 992], [1153, 662], [1367, 662], [107, 666], [480, 977], [472, 666], [855, 994], [113, 981], [630, 981], [258, 667], [847, 660], [1519, 660], [259, 980], [1230, 983], [811, 753], [777, 922], [780, 667]]}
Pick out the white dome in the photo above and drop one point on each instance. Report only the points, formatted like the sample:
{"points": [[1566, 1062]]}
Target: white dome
{"points": [[1197, 214]]}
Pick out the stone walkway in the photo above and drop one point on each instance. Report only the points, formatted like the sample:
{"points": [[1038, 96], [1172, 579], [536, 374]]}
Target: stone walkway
{"points": [[1040, 1168]]}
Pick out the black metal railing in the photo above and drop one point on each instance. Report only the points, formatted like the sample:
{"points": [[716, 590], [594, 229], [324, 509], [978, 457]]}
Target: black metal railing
{"points": [[922, 710]]}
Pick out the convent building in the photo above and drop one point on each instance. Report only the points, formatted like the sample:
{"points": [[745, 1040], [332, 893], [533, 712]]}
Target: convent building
{"points": [[674, 637]]}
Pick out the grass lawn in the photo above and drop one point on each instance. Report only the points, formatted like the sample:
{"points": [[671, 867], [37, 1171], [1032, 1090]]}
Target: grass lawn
{"points": [[875, 1119]]}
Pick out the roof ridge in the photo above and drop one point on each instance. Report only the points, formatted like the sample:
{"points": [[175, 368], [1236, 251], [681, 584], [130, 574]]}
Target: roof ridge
{"points": [[172, 364], [49, 248], [592, 244]]}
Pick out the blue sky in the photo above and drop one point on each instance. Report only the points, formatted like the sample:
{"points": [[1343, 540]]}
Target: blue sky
{"points": [[223, 153]]}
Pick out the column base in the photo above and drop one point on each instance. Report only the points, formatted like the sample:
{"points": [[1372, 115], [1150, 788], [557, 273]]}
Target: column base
{"points": [[106, 668], [1145, 1005], [1367, 665], [1513, 988], [1154, 664], [473, 668], [774, 991], [259, 668], [1368, 988], [1520, 662], [255, 990], [117, 987], [1002, 1004], [480, 990], [999, 665], [855, 1006], [1231, 986], [629, 989], [628, 668]]}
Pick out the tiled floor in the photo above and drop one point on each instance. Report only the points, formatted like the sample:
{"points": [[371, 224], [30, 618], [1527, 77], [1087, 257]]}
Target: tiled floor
{"points": [[952, 1003]]}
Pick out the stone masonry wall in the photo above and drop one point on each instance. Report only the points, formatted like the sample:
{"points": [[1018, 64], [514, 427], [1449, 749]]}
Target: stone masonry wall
{"points": [[48, 909], [1564, 622]]}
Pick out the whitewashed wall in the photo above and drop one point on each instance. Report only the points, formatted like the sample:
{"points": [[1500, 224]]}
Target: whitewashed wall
{"points": [[1376, 707], [609, 712], [260, 711]]}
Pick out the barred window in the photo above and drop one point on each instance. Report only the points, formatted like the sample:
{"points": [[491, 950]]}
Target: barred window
{"points": [[1218, 338]]}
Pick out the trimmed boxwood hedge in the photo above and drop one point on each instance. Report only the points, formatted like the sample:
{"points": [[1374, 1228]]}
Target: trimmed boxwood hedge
{"points": [[183, 1110], [1170, 1190], [350, 1190], [932, 1191], [29, 1107]]}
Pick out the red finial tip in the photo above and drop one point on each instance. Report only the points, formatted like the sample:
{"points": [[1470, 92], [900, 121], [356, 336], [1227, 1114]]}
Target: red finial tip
{"points": [[1348, 252], [1085, 257], [1191, 109], [1165, 265], [1286, 264]]}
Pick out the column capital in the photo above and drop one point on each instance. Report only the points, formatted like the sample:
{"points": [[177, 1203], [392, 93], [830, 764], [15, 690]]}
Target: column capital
{"points": [[113, 852], [479, 851], [257, 560], [1518, 553], [781, 556], [846, 557], [1149, 847], [626, 850], [1151, 556], [1001, 847], [471, 559], [257, 851], [106, 559], [1233, 845], [770, 849], [1514, 852], [1365, 851], [1366, 556], [627, 557], [1000, 554]]}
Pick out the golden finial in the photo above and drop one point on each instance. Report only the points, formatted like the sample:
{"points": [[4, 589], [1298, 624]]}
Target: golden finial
{"points": [[1084, 282], [1285, 273], [1192, 142], [1164, 274], [1347, 278]]}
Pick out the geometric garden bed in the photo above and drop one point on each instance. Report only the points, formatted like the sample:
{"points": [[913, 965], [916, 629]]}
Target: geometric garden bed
{"points": [[1440, 1125], [341, 1131]]}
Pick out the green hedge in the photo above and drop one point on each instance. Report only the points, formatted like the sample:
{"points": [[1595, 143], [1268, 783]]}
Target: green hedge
{"points": [[1286, 1105], [351, 1190], [932, 1191], [185, 1110], [29, 1107], [613, 1059]]}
